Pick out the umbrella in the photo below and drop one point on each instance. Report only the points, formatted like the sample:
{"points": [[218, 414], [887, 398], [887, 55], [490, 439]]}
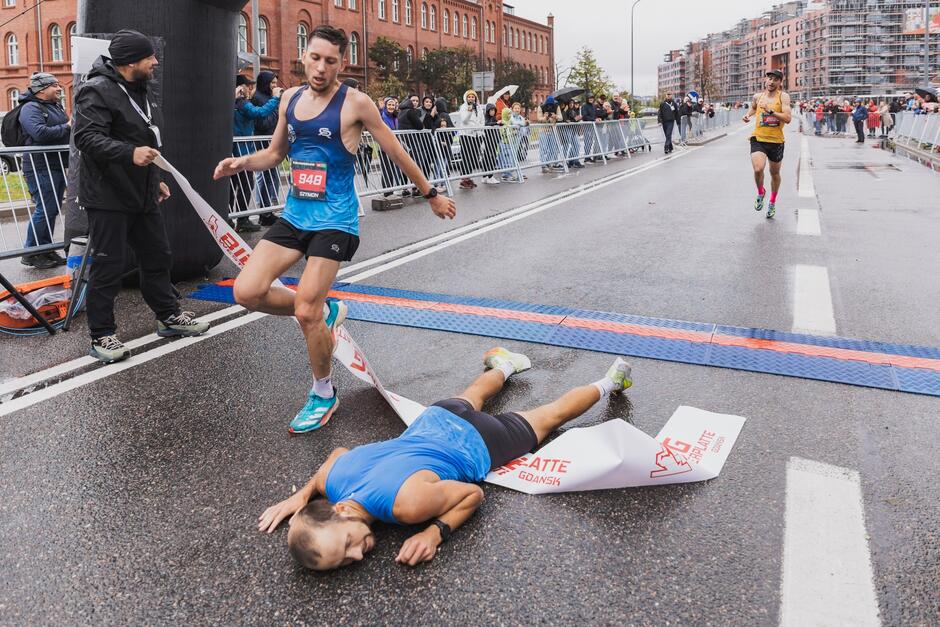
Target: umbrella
{"points": [[566, 93], [508, 89], [927, 93]]}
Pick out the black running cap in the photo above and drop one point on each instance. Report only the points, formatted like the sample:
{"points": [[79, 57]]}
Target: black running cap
{"points": [[775, 74]]}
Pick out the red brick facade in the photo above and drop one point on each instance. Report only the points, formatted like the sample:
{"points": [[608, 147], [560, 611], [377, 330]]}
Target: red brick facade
{"points": [[486, 26]]}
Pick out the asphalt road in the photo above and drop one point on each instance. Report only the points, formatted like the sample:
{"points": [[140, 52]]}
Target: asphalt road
{"points": [[133, 498]]}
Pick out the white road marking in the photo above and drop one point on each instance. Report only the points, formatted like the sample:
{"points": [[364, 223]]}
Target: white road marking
{"points": [[812, 301], [805, 189], [456, 236], [807, 222], [827, 575]]}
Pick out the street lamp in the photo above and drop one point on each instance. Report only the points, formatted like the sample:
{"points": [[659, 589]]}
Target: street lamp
{"points": [[636, 2]]}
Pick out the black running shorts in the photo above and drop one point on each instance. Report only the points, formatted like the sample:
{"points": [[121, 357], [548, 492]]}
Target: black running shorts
{"points": [[507, 436], [329, 244], [774, 152]]}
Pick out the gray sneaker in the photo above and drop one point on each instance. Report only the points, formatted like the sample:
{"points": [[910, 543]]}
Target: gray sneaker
{"points": [[109, 349], [182, 324]]}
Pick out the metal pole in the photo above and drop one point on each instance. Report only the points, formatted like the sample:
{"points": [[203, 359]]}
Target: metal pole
{"points": [[926, 43], [632, 13], [39, 36], [256, 36]]}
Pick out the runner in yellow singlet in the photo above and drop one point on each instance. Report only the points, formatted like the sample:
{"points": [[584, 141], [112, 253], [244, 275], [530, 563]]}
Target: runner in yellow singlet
{"points": [[771, 110]]}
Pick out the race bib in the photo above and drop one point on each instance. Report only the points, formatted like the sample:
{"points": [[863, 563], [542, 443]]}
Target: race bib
{"points": [[308, 180], [769, 120]]}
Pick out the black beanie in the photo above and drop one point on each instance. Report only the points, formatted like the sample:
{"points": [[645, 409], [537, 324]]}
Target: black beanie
{"points": [[129, 46]]}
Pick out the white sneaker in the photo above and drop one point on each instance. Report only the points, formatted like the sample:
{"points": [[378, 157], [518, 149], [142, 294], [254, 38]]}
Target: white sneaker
{"points": [[490, 181], [619, 372], [499, 355]]}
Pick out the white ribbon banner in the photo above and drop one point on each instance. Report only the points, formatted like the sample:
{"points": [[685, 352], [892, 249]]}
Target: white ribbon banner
{"points": [[692, 446]]}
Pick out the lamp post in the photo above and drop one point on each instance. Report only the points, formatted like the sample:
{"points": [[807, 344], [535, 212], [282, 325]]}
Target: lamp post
{"points": [[632, 9], [926, 43]]}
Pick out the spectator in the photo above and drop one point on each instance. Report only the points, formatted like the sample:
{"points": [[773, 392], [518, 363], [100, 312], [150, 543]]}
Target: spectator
{"points": [[549, 113], [411, 118], [470, 117], [886, 120], [685, 119], [446, 139], [491, 145], [858, 119], [572, 113], [246, 115], [874, 118], [502, 103], [589, 114], [392, 176], [267, 184], [514, 124], [668, 113], [44, 123]]}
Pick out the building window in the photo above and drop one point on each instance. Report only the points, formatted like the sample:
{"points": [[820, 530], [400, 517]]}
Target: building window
{"points": [[351, 5], [395, 11], [242, 33], [433, 17], [353, 49], [55, 41], [456, 24], [515, 38], [465, 25], [486, 31], [263, 36], [9, 3], [14, 98], [72, 31], [424, 15], [505, 32], [446, 21], [425, 53], [410, 57], [408, 12], [381, 9], [13, 51], [338, 3], [473, 28], [301, 40]]}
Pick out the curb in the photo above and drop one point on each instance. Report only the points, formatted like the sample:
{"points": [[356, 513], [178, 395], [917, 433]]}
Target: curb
{"points": [[707, 141]]}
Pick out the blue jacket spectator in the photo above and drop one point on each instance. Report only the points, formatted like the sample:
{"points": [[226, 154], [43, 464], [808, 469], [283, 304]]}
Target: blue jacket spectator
{"points": [[263, 94]]}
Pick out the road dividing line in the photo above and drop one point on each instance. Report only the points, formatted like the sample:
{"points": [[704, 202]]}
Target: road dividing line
{"points": [[807, 222], [805, 189], [812, 301], [827, 575]]}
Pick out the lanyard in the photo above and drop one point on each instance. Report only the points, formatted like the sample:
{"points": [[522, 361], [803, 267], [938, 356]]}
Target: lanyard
{"points": [[148, 117]]}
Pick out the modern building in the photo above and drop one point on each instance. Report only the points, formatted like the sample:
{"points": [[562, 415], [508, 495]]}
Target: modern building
{"points": [[671, 73], [40, 39], [824, 48]]}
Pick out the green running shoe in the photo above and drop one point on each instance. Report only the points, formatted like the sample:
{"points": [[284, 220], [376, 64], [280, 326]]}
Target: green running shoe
{"points": [[109, 349], [619, 373], [183, 324], [759, 203], [771, 210], [496, 356], [314, 414]]}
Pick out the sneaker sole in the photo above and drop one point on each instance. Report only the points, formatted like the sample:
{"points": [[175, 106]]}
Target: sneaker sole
{"points": [[176, 333], [322, 423], [108, 361], [527, 363], [340, 316]]}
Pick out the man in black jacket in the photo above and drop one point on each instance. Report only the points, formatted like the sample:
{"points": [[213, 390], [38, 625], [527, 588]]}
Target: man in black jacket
{"points": [[117, 131], [589, 114], [267, 184], [667, 117]]}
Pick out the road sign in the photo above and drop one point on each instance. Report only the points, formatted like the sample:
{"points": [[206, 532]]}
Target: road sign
{"points": [[483, 81]]}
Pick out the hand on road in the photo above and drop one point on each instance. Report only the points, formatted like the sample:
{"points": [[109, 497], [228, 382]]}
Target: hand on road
{"points": [[164, 192], [272, 517], [421, 547], [228, 167], [144, 155], [443, 207]]}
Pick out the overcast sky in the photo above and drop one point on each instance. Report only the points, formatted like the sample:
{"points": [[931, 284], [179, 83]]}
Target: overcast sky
{"points": [[604, 26]]}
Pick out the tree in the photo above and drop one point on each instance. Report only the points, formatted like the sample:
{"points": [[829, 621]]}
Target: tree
{"points": [[511, 73], [390, 86], [389, 58], [589, 75], [448, 72]]}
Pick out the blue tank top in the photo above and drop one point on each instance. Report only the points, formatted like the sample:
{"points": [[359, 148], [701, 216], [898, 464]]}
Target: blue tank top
{"points": [[437, 440], [322, 195]]}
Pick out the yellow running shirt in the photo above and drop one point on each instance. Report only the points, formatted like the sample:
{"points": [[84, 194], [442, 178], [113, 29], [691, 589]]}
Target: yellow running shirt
{"points": [[768, 128]]}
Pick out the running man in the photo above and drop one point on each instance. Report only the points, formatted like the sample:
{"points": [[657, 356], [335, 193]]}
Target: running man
{"points": [[428, 473], [772, 110], [319, 127]]}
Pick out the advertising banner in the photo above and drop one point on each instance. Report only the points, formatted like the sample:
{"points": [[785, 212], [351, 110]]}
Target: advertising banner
{"points": [[914, 21]]}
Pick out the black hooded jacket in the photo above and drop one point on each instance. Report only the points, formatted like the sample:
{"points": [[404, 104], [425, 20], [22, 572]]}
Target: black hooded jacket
{"points": [[107, 130], [409, 118], [443, 115], [263, 93]]}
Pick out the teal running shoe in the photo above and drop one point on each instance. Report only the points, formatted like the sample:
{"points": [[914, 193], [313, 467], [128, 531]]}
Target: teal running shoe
{"points": [[771, 210], [314, 414], [620, 372], [337, 314], [759, 203]]}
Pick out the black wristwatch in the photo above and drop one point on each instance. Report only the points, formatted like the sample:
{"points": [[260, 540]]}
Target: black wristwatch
{"points": [[431, 194], [443, 527]]}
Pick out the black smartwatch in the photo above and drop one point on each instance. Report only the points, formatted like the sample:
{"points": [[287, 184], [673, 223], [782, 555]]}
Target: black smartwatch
{"points": [[431, 194], [443, 527]]}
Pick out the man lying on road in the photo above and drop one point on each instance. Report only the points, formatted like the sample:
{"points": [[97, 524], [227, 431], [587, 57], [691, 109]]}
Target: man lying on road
{"points": [[429, 473]]}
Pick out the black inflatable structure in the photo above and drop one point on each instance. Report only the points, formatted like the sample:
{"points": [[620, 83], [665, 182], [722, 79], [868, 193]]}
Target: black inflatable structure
{"points": [[196, 83]]}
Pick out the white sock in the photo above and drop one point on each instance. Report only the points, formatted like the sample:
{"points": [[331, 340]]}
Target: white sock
{"points": [[605, 386], [323, 387], [507, 369]]}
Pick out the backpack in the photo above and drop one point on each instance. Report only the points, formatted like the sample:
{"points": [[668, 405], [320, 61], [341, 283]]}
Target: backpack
{"points": [[11, 132]]}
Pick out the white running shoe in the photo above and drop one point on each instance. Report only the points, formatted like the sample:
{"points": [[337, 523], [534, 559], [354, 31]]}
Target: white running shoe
{"points": [[619, 373], [499, 355]]}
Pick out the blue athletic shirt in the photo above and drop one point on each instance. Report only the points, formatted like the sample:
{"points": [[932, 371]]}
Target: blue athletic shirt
{"points": [[437, 440], [320, 141]]}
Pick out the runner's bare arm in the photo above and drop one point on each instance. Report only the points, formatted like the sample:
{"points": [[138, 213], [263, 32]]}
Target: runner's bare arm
{"points": [[272, 517], [368, 114], [451, 502], [751, 110], [785, 116], [263, 159]]}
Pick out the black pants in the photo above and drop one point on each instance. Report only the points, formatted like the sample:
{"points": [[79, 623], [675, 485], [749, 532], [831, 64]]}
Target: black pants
{"points": [[667, 131], [111, 232], [469, 153], [860, 129]]}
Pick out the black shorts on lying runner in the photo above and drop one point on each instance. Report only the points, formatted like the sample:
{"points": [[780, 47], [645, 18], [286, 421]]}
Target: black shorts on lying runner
{"points": [[328, 244], [774, 152], [507, 436]]}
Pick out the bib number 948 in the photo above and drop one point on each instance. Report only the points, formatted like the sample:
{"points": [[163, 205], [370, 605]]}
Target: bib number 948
{"points": [[308, 180]]}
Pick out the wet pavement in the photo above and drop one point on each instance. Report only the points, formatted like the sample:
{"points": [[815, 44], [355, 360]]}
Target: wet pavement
{"points": [[133, 498]]}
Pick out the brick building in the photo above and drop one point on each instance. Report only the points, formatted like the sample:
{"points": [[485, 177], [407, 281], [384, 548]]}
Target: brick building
{"points": [[41, 39]]}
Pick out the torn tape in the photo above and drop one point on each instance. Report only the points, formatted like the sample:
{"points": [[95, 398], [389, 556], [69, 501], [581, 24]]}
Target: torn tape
{"points": [[692, 446]]}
